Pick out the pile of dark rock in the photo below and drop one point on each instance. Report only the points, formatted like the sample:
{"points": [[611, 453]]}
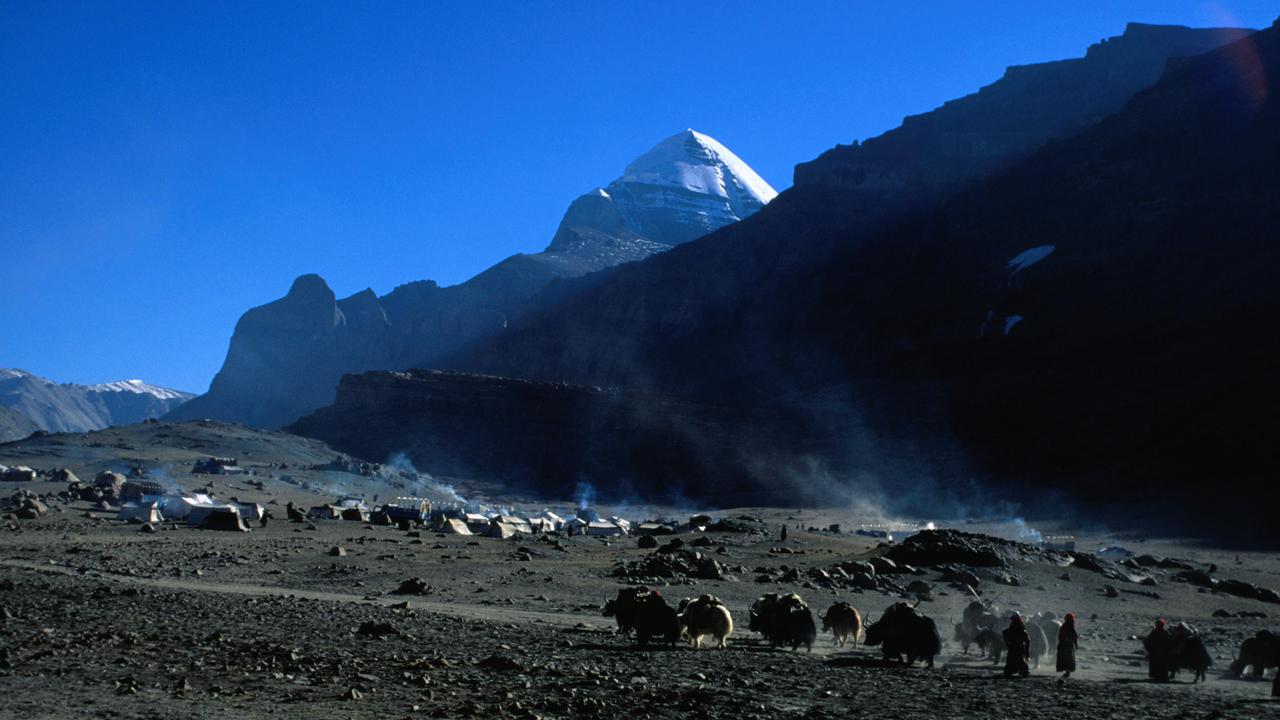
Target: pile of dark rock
{"points": [[1126, 571], [742, 524], [25, 505], [1239, 588], [878, 574], [931, 548], [677, 563]]}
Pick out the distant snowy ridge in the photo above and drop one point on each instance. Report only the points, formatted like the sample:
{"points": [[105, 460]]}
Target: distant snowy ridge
{"points": [[142, 388], [70, 407]]}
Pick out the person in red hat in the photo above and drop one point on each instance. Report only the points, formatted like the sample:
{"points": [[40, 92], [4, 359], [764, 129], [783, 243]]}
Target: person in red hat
{"points": [[1159, 645], [1018, 654], [1068, 640]]}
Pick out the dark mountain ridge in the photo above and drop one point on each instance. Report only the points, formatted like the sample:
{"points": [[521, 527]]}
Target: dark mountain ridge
{"points": [[286, 357], [1093, 320]]}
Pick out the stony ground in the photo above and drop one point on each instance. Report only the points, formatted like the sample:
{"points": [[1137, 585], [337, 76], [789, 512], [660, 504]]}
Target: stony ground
{"points": [[98, 619]]}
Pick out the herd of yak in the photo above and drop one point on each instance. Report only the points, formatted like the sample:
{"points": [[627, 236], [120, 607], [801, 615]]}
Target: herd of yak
{"points": [[903, 633]]}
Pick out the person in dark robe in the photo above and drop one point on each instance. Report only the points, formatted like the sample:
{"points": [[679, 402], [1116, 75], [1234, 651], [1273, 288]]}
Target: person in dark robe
{"points": [[1068, 640], [1018, 652], [1159, 645]]}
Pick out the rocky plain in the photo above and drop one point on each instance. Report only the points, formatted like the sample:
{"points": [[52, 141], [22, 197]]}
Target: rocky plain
{"points": [[340, 619]]}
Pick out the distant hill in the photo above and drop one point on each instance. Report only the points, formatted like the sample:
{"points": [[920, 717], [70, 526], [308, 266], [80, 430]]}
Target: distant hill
{"points": [[67, 407], [14, 425], [286, 357]]}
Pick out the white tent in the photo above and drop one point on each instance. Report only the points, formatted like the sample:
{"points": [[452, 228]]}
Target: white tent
{"points": [[249, 512], [501, 530], [476, 522], [200, 512], [178, 507], [453, 526], [605, 528], [131, 512]]}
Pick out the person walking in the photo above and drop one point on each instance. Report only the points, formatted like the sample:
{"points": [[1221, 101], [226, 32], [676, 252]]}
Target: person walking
{"points": [[1159, 645], [1018, 648], [1068, 640]]}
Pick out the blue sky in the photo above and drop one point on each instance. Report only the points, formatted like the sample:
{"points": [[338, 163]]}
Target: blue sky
{"points": [[165, 166]]}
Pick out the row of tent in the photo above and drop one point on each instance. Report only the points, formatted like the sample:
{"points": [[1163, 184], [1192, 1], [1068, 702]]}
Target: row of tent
{"points": [[198, 510], [505, 526]]}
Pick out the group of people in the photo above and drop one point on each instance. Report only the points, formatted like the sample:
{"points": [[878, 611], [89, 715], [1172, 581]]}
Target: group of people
{"points": [[1018, 647]]}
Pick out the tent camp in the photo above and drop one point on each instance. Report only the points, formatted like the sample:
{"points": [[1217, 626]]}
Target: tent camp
{"points": [[325, 512], [249, 512], [605, 528], [453, 526], [200, 512], [477, 523], [518, 524], [178, 507], [223, 518], [501, 530], [134, 513], [356, 513]]}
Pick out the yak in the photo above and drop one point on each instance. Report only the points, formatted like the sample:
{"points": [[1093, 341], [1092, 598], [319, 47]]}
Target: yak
{"points": [[905, 633], [991, 643], [1189, 653], [1258, 653], [977, 617], [843, 622], [705, 616], [623, 608], [655, 619], [1049, 624], [783, 620]]}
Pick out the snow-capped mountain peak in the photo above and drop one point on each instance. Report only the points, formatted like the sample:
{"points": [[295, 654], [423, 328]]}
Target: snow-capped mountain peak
{"points": [[699, 163], [141, 388], [684, 187]]}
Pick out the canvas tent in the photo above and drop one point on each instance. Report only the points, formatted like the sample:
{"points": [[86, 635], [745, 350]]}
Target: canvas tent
{"points": [[200, 512], [178, 507], [477, 523], [518, 524], [325, 512], [249, 512], [605, 528], [223, 518], [501, 530], [356, 513], [453, 526], [134, 513]]}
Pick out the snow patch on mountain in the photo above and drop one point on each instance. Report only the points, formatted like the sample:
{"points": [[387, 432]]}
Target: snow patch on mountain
{"points": [[1027, 258], [141, 388]]}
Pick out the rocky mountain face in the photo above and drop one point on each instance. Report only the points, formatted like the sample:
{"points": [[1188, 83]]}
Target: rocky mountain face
{"points": [[286, 357], [978, 135], [14, 425], [556, 435], [67, 407], [1085, 326]]}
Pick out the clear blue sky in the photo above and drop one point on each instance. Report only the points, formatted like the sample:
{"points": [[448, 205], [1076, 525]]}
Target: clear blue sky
{"points": [[165, 166]]}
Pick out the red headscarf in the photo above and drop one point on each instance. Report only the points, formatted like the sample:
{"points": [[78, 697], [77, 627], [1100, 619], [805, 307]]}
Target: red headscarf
{"points": [[1016, 620], [1070, 619], [1160, 623]]}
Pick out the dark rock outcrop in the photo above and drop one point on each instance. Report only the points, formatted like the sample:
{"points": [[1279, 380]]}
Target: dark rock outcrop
{"points": [[547, 437]]}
